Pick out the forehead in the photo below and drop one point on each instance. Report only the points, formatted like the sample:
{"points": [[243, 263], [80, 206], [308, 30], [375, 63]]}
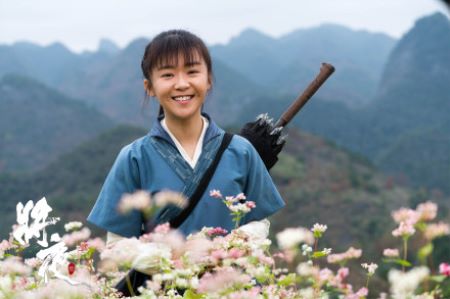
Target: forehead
{"points": [[179, 58]]}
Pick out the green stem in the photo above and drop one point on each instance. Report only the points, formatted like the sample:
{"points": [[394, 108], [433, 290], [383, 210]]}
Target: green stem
{"points": [[405, 251]]}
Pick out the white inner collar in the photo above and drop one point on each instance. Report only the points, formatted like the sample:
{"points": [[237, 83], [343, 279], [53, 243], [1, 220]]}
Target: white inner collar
{"points": [[198, 148]]}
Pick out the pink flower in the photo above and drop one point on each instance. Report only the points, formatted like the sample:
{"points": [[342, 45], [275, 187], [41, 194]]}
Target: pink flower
{"points": [[343, 273], [235, 253], [388, 252], [405, 229], [162, 228], [222, 279], [427, 211], [444, 269], [215, 193], [436, 230], [218, 254], [250, 204], [406, 215], [139, 200], [84, 246], [217, 231]]}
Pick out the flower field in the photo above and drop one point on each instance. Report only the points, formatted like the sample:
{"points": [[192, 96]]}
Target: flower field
{"points": [[215, 263]]}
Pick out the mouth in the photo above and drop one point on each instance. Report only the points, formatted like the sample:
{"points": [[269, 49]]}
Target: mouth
{"points": [[183, 99]]}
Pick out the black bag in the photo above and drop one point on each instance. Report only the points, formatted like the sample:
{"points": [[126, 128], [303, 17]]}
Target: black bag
{"points": [[134, 279]]}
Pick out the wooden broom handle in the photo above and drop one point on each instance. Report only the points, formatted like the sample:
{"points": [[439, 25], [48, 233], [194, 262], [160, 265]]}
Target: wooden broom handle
{"points": [[325, 71]]}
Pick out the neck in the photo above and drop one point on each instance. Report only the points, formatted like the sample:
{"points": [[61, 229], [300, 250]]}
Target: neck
{"points": [[186, 131]]}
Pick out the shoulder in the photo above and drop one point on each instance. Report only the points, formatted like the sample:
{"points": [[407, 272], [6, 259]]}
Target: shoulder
{"points": [[242, 145], [135, 148]]}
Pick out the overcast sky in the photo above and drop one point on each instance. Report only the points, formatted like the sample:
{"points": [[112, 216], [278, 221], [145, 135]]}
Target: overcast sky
{"points": [[81, 24]]}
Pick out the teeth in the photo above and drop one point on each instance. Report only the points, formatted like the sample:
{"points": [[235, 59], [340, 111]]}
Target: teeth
{"points": [[182, 98]]}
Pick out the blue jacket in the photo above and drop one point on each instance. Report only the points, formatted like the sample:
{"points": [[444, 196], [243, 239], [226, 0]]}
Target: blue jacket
{"points": [[141, 166]]}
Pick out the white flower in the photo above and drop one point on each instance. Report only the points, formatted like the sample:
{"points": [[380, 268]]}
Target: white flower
{"points": [[319, 228], [327, 251], [122, 252], [150, 256], [370, 268], [292, 237], [256, 229], [74, 225], [403, 284], [306, 269]]}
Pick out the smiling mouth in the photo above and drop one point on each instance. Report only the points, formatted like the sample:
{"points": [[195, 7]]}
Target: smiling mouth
{"points": [[182, 98]]}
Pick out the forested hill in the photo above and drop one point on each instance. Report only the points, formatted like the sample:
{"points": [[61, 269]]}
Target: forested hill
{"points": [[405, 129], [38, 123]]}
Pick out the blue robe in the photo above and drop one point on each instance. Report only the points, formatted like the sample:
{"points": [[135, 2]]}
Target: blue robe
{"points": [[141, 166]]}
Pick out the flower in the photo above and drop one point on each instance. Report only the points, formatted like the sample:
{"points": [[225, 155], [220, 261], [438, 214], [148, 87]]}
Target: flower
{"points": [[444, 269], [76, 236], [150, 256], [74, 225], [122, 252], [388, 252], [216, 231], [222, 279], [318, 230], [292, 237], [167, 197], [215, 193], [406, 215], [351, 253], [403, 284], [370, 268], [405, 230], [436, 230], [139, 200], [256, 230], [427, 211]]}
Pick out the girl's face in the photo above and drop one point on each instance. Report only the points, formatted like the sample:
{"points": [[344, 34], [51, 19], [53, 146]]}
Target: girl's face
{"points": [[180, 89]]}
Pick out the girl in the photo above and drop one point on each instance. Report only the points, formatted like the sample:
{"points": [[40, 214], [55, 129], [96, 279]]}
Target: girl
{"points": [[179, 148]]}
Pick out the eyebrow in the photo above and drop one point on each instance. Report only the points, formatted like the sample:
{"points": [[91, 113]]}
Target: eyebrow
{"points": [[171, 66]]}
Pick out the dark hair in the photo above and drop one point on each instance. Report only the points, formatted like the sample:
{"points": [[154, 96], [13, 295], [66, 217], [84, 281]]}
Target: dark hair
{"points": [[166, 47]]}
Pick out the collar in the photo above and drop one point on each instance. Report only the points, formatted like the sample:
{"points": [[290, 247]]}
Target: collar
{"points": [[211, 132]]}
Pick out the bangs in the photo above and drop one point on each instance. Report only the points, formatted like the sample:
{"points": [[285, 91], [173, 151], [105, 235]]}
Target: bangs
{"points": [[169, 57]]}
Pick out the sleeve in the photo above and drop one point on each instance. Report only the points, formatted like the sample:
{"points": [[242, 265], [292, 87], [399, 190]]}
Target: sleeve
{"points": [[122, 178], [260, 188]]}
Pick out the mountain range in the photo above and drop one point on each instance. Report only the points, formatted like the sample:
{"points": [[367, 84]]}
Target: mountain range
{"points": [[387, 101]]}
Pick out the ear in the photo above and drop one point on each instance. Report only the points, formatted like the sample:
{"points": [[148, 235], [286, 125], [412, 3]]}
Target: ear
{"points": [[209, 82], [148, 88]]}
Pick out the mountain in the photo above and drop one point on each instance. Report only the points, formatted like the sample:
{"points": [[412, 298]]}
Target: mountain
{"points": [[289, 63], [38, 123], [71, 182]]}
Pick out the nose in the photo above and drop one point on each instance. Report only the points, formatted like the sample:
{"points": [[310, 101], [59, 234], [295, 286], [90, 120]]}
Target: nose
{"points": [[181, 82]]}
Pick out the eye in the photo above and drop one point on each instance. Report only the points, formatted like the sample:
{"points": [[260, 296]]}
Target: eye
{"points": [[193, 71], [166, 75]]}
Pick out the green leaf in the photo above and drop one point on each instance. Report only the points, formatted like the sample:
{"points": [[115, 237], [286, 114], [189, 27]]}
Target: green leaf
{"points": [[424, 252], [400, 262], [189, 294], [438, 278], [318, 254], [288, 280]]}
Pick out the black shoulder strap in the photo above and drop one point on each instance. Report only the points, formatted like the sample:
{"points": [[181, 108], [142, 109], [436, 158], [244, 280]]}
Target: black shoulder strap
{"points": [[195, 198]]}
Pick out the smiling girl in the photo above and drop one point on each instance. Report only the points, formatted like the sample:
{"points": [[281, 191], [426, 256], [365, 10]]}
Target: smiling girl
{"points": [[180, 146]]}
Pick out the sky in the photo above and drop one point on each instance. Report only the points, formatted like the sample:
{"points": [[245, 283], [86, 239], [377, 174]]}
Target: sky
{"points": [[81, 24]]}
